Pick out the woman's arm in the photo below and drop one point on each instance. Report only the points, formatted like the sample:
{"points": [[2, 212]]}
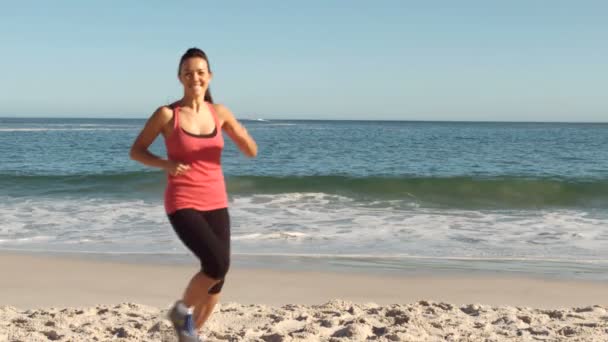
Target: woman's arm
{"points": [[139, 150], [236, 131]]}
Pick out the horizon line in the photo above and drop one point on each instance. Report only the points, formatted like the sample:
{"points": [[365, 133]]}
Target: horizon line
{"points": [[300, 119]]}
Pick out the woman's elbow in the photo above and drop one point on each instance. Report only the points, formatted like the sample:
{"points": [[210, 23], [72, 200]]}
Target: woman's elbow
{"points": [[253, 151], [133, 153]]}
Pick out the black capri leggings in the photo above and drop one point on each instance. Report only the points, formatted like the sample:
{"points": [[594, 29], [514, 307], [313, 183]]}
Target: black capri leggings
{"points": [[207, 235]]}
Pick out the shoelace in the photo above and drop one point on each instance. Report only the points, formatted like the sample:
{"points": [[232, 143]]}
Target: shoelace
{"points": [[189, 325]]}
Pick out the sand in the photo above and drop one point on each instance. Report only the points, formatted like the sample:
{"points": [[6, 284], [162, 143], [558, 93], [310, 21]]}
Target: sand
{"points": [[46, 298]]}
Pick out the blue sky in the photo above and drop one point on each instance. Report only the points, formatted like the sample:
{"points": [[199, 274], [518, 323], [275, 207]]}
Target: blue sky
{"points": [[399, 60]]}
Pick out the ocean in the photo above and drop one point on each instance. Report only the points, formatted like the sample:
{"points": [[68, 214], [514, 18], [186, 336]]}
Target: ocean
{"points": [[391, 196]]}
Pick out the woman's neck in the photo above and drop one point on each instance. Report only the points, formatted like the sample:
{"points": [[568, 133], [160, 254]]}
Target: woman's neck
{"points": [[194, 102]]}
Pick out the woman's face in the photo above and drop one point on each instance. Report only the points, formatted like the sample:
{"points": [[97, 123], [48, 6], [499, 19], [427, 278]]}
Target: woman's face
{"points": [[195, 76]]}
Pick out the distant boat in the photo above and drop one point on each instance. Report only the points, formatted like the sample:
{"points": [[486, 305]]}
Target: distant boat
{"points": [[261, 120]]}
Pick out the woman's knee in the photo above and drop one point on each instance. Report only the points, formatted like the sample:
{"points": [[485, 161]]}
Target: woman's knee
{"points": [[217, 288], [217, 281], [222, 269], [216, 270]]}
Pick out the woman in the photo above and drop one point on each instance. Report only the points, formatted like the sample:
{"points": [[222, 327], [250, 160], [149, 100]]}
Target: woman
{"points": [[195, 197]]}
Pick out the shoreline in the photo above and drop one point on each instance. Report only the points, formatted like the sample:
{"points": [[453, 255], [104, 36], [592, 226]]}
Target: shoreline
{"points": [[44, 280], [550, 269]]}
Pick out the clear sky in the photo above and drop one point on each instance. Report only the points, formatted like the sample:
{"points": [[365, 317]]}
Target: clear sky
{"points": [[401, 60]]}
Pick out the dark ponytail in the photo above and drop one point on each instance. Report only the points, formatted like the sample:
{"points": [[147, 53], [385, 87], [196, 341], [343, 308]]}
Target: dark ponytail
{"points": [[192, 53]]}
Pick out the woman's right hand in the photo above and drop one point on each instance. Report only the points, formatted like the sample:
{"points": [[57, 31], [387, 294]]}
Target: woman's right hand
{"points": [[176, 169]]}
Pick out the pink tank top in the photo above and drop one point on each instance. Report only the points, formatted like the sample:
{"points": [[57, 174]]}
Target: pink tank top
{"points": [[202, 187]]}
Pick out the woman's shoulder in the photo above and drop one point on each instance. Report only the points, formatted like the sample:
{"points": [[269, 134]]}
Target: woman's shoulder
{"points": [[163, 113], [221, 110]]}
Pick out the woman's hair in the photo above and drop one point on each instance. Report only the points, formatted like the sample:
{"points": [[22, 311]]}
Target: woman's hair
{"points": [[192, 53]]}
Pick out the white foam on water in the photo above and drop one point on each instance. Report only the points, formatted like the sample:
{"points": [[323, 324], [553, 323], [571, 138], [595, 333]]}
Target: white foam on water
{"points": [[309, 224], [97, 225], [65, 129], [332, 225], [409, 256], [271, 236]]}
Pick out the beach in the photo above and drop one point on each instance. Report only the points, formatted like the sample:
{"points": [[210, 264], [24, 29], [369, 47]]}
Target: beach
{"points": [[70, 298], [430, 231], [369, 171]]}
